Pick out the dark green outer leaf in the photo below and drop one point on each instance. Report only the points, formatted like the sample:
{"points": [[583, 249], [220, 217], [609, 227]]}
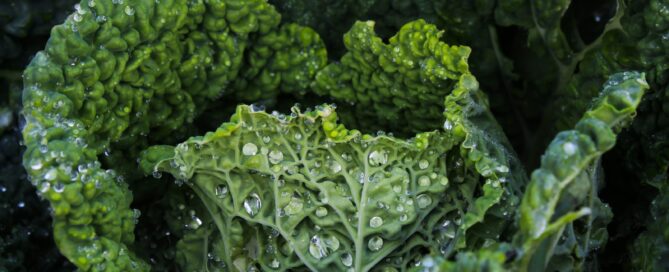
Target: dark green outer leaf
{"points": [[567, 160]]}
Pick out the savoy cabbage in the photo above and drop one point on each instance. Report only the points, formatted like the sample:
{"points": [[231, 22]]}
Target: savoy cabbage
{"points": [[345, 135]]}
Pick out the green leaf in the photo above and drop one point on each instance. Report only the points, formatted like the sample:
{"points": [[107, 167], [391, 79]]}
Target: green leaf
{"points": [[566, 163], [287, 191]]}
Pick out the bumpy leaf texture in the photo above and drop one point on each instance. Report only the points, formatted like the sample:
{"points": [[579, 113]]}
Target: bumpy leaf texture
{"points": [[301, 191], [113, 73], [26, 238], [568, 178], [562, 221], [399, 85], [119, 75], [317, 195]]}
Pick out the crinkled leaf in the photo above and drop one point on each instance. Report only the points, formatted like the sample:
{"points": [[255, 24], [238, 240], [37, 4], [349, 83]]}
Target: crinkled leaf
{"points": [[288, 191], [568, 165]]}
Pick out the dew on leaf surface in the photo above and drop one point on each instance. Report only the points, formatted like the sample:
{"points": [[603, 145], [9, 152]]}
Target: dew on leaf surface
{"points": [[378, 157], [423, 164], [249, 149], [375, 222], [375, 243], [346, 259], [275, 156], [252, 204], [423, 201]]}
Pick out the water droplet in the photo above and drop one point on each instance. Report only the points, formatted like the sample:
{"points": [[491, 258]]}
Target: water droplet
{"points": [[294, 206], [257, 107], [320, 247], [334, 166], [252, 204], [321, 211], [36, 165], [502, 168], [423, 164], [378, 157], [274, 263], [397, 189], [569, 148], [129, 11], [249, 149], [194, 223], [51, 174], [58, 187], [157, 174], [298, 136], [275, 156], [404, 217], [375, 243], [266, 139], [448, 125], [424, 181], [221, 191], [423, 201], [443, 181], [361, 177], [448, 229], [43, 188], [375, 222], [346, 259]]}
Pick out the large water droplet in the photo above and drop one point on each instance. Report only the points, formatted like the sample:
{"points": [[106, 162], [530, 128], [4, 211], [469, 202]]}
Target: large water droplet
{"points": [[424, 181], [378, 157], [448, 125], [346, 259], [334, 166], [221, 191], [320, 247], [569, 148], [423, 201], [294, 206], [448, 229], [443, 180], [423, 164], [298, 136], [249, 149], [59, 187], [375, 222], [252, 204], [375, 243], [321, 211], [275, 156], [36, 165]]}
